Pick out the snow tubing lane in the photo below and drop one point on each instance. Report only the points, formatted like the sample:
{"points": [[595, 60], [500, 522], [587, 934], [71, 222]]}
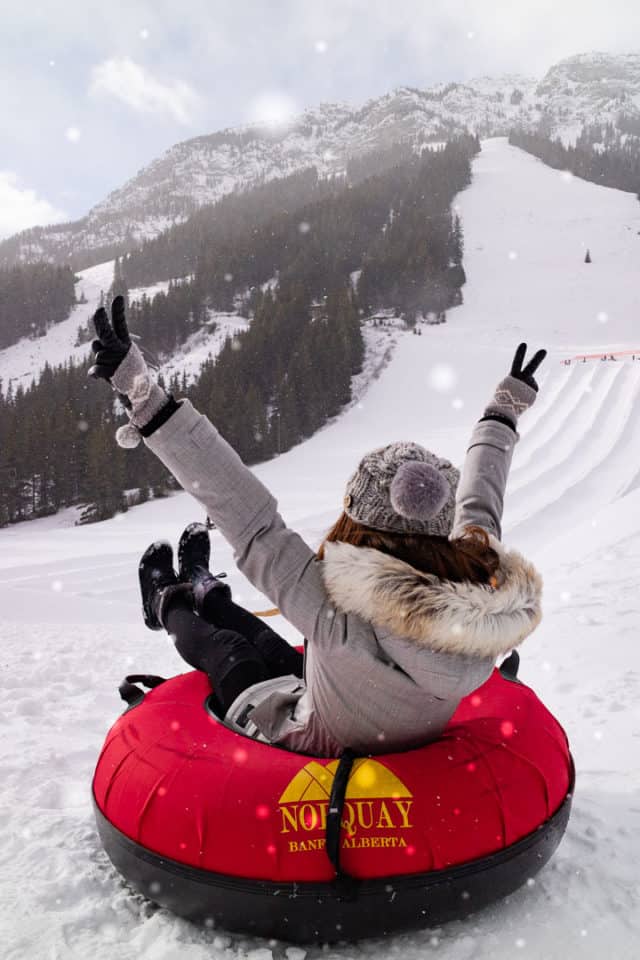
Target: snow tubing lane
{"points": [[230, 832]]}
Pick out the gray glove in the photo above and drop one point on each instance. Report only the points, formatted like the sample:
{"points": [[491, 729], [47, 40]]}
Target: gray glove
{"points": [[518, 391], [133, 378]]}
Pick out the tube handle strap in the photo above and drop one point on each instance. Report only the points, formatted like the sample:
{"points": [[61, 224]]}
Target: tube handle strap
{"points": [[345, 884], [509, 667], [133, 695]]}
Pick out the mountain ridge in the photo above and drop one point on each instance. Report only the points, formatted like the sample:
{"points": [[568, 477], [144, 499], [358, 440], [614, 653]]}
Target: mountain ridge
{"points": [[581, 90]]}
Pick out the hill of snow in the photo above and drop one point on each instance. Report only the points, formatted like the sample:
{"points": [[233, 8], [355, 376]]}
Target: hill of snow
{"points": [[22, 362], [71, 624]]}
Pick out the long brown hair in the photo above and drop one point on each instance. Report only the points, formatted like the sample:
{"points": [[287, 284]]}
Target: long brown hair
{"points": [[468, 557]]}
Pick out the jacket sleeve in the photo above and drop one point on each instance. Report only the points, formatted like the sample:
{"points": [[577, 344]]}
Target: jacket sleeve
{"points": [[275, 559], [480, 495]]}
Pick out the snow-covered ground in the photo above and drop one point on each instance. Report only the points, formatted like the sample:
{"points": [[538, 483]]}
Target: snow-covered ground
{"points": [[204, 344], [21, 363], [71, 626]]}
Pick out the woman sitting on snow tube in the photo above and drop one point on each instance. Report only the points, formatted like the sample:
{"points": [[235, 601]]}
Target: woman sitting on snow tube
{"points": [[405, 607]]}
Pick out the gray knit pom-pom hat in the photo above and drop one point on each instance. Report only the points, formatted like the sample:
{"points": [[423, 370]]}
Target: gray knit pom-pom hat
{"points": [[403, 488]]}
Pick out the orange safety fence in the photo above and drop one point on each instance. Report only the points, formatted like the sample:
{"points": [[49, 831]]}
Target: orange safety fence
{"points": [[634, 354]]}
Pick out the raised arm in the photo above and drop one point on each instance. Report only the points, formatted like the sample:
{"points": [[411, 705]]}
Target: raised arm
{"points": [[480, 494], [274, 558]]}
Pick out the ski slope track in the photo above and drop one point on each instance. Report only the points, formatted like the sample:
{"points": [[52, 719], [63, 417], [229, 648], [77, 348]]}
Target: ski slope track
{"points": [[71, 627]]}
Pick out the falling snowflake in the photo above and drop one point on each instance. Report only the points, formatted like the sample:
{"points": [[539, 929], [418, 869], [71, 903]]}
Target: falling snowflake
{"points": [[83, 426], [565, 595], [513, 255], [57, 586], [52, 63], [304, 227], [72, 134], [228, 277], [144, 34], [321, 46], [470, 35], [567, 176], [442, 377], [603, 317], [506, 728], [457, 403]]}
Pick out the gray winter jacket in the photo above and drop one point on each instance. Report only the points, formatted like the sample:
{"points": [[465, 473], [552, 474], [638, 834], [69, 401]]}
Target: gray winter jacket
{"points": [[390, 650]]}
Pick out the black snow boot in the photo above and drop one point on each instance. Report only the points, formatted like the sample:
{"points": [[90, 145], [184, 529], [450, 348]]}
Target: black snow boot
{"points": [[194, 552], [158, 583]]}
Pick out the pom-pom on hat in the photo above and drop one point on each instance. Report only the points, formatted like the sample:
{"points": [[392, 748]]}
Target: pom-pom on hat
{"points": [[403, 488]]}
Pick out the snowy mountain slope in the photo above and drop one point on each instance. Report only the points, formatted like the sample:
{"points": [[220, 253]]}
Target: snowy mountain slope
{"points": [[585, 89], [22, 362], [71, 625], [588, 88]]}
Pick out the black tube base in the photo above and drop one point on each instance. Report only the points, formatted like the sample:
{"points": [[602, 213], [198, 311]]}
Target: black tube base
{"points": [[327, 912]]}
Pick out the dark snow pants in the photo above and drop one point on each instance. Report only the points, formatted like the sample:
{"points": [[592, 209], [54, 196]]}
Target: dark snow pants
{"points": [[231, 645]]}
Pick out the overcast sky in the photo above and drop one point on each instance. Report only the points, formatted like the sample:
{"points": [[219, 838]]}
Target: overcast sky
{"points": [[92, 92]]}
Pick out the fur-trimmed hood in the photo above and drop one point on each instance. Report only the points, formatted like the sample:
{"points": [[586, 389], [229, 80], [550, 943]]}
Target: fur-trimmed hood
{"points": [[459, 618]]}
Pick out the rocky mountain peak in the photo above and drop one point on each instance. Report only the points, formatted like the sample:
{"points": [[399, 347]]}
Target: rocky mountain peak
{"points": [[579, 91]]}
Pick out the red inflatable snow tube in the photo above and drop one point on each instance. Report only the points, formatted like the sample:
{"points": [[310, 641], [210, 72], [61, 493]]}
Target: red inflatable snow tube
{"points": [[235, 833]]}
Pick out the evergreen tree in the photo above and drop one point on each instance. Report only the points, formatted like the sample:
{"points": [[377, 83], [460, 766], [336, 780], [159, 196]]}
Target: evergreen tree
{"points": [[33, 298], [603, 155]]}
